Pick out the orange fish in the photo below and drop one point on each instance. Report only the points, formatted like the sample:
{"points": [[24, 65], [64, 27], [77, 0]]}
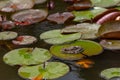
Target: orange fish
{"points": [[85, 63], [39, 77]]}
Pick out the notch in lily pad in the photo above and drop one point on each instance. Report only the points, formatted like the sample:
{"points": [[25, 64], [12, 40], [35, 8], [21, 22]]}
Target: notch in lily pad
{"points": [[26, 56], [52, 70], [90, 48], [55, 37], [110, 73]]}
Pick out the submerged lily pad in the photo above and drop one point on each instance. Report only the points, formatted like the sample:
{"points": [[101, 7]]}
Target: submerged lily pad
{"points": [[87, 30], [81, 16], [8, 35], [52, 70], [105, 3], [90, 48], [110, 30], [110, 73], [55, 37], [26, 56], [111, 44]]}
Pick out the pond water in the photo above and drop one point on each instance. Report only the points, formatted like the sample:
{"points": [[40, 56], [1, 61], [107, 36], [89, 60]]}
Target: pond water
{"points": [[105, 60]]}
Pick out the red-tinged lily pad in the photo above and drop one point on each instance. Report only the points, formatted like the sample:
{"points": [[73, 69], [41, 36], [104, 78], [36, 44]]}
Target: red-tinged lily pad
{"points": [[110, 73], [30, 16], [108, 15], [90, 48], [8, 35], [110, 30], [49, 70], [80, 5], [60, 18], [24, 40], [26, 56], [87, 30], [81, 16], [55, 37], [15, 5], [105, 3], [111, 44]]}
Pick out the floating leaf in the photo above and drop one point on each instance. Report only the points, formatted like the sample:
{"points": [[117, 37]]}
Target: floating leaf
{"points": [[24, 40], [110, 73], [52, 70], [110, 30], [87, 30], [39, 1], [105, 3], [110, 44], [8, 35], [31, 16], [15, 5], [87, 14], [55, 37], [91, 48], [26, 56]]}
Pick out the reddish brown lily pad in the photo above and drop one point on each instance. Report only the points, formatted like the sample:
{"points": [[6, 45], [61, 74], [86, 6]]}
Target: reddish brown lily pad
{"points": [[60, 18], [30, 16]]}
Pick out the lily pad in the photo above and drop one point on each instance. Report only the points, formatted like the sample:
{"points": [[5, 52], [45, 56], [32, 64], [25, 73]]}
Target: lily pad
{"points": [[24, 40], [111, 44], [26, 56], [8, 35], [105, 3], [90, 48], [110, 30], [81, 16], [39, 1], [55, 37], [15, 5], [110, 73], [88, 30], [52, 70]]}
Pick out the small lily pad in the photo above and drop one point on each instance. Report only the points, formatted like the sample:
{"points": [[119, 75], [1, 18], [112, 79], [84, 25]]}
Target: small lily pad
{"points": [[90, 48], [81, 16], [24, 40], [26, 56], [87, 30], [52, 70], [110, 73], [8, 35], [105, 3], [55, 37], [110, 30], [110, 44]]}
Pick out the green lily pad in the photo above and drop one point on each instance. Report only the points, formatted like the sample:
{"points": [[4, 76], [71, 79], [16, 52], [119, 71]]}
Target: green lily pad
{"points": [[52, 70], [110, 73], [111, 44], [26, 56], [88, 30], [55, 37], [8, 35], [91, 48], [105, 3], [81, 16]]}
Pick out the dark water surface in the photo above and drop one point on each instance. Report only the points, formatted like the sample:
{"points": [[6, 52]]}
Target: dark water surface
{"points": [[105, 60]]}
